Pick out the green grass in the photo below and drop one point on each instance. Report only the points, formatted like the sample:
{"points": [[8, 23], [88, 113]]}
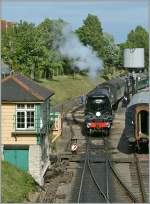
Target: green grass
{"points": [[16, 184], [65, 87]]}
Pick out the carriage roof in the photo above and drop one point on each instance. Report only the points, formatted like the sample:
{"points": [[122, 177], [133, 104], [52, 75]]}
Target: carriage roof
{"points": [[140, 98]]}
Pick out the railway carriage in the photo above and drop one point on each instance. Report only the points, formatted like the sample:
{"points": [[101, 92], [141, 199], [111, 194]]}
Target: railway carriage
{"points": [[137, 121], [142, 81]]}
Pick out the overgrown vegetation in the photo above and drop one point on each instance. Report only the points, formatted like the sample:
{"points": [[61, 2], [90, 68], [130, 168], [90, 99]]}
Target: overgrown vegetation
{"points": [[16, 184]]}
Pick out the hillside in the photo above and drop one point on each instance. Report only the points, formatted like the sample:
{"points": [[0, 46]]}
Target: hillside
{"points": [[15, 184], [65, 87]]}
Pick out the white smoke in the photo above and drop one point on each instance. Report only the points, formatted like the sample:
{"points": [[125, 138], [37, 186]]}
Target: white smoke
{"points": [[82, 56]]}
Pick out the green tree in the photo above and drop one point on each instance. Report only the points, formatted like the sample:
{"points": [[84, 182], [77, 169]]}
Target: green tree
{"points": [[45, 32], [22, 48], [139, 38], [53, 63], [29, 49], [110, 72], [91, 33], [111, 51]]}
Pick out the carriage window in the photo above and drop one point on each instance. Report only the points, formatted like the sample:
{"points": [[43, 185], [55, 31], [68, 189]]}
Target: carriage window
{"points": [[143, 117]]}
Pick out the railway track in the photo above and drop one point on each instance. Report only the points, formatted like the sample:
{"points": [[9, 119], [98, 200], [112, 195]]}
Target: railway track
{"points": [[127, 192], [104, 187], [108, 165], [103, 195], [100, 172], [91, 169], [143, 195]]}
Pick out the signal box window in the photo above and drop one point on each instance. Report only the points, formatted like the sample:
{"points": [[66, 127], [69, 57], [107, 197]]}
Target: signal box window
{"points": [[25, 116]]}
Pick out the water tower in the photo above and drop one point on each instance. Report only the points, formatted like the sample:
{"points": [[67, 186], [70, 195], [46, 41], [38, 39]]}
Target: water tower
{"points": [[134, 59]]}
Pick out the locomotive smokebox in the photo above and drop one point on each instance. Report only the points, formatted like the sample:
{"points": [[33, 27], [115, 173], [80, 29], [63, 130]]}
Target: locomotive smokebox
{"points": [[134, 58]]}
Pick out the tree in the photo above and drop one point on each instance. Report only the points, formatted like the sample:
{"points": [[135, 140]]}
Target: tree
{"points": [[110, 72], [111, 51], [29, 49], [139, 38], [53, 63], [22, 48], [91, 34], [45, 32]]}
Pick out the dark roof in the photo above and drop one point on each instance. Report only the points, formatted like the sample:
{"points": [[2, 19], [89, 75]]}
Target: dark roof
{"points": [[140, 98], [17, 88], [116, 83], [97, 92]]}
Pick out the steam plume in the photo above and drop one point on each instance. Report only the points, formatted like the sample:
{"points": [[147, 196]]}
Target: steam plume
{"points": [[82, 56]]}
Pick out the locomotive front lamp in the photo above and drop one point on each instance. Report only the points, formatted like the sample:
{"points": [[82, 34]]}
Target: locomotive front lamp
{"points": [[98, 114]]}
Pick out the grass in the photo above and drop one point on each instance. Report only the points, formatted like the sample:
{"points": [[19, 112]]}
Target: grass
{"points": [[65, 87], [16, 184]]}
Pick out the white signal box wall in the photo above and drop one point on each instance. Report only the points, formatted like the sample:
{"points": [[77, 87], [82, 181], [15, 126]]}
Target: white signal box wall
{"points": [[134, 58]]}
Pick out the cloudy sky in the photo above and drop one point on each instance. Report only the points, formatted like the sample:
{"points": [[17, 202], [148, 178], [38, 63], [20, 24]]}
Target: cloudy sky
{"points": [[118, 17]]}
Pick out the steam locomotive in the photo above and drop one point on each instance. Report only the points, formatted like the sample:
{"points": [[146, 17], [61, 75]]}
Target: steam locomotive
{"points": [[104, 99]]}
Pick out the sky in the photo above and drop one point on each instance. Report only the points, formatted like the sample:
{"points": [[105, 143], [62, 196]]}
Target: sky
{"points": [[117, 17]]}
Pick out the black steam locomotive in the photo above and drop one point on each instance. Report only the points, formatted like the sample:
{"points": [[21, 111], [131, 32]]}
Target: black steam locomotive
{"points": [[101, 102]]}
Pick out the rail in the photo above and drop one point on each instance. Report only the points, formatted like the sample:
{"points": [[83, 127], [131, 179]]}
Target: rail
{"points": [[142, 190], [87, 162], [105, 195], [82, 177], [130, 194]]}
